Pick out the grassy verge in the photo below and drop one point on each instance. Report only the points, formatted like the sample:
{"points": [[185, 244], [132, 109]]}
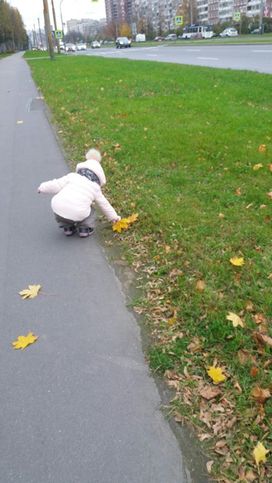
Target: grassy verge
{"points": [[189, 149]]}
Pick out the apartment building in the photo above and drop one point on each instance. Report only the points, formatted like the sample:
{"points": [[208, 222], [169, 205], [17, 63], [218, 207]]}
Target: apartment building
{"points": [[161, 13]]}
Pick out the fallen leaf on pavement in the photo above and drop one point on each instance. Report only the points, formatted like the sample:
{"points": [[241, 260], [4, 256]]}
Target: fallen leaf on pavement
{"points": [[31, 292], [24, 340]]}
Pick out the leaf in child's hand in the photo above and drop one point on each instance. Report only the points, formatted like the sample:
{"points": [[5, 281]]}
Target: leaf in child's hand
{"points": [[132, 218], [216, 374], [120, 225], [260, 453], [24, 340], [235, 319], [124, 223], [30, 292]]}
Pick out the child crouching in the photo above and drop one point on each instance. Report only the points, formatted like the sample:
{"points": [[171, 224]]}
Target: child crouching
{"points": [[75, 193]]}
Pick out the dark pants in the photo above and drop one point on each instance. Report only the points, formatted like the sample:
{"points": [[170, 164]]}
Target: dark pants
{"points": [[88, 222]]}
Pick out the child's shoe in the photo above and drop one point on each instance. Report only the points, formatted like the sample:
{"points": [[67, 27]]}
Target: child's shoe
{"points": [[85, 231], [69, 230]]}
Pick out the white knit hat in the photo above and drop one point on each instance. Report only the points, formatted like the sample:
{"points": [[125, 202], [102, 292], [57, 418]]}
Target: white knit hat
{"points": [[93, 158], [93, 154]]}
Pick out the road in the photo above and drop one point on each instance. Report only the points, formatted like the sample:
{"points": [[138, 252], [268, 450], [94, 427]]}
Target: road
{"points": [[79, 405], [242, 57]]}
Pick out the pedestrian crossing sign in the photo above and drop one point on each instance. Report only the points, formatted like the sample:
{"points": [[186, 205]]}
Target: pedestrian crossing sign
{"points": [[58, 34], [179, 20]]}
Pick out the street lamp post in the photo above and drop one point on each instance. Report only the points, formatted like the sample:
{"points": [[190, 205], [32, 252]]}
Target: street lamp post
{"points": [[61, 19]]}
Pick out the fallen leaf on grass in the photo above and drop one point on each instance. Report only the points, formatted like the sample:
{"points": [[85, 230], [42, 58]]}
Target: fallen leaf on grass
{"points": [[31, 292], [238, 192], [260, 395], [257, 166], [237, 261], [24, 340], [259, 318], [216, 374], [262, 148], [200, 285], [124, 223], [209, 466], [260, 453], [269, 195], [209, 392], [235, 319], [262, 338], [254, 371], [245, 356]]}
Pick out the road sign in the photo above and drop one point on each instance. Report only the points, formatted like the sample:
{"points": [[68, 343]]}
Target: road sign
{"points": [[58, 34], [236, 16], [179, 20]]}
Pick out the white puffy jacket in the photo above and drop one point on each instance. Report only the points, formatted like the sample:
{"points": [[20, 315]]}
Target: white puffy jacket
{"points": [[74, 194]]}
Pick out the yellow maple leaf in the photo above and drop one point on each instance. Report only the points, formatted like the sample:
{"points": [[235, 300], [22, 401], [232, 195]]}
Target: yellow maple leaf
{"points": [[216, 374], [124, 223], [257, 166], [235, 319], [120, 225], [24, 340], [132, 218], [30, 292], [260, 453], [237, 261]]}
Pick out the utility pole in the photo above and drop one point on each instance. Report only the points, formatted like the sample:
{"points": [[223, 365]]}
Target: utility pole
{"points": [[48, 29], [55, 24]]}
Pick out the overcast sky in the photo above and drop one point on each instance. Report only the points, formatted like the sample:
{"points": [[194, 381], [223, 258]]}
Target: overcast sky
{"points": [[31, 10]]}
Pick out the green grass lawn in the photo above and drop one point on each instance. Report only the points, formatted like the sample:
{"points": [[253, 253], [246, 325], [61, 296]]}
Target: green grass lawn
{"points": [[188, 149]]}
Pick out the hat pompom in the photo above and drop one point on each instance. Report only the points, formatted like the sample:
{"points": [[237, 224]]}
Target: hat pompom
{"points": [[94, 154]]}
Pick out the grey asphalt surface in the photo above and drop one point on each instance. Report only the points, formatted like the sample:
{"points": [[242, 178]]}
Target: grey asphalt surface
{"points": [[79, 405], [255, 57]]}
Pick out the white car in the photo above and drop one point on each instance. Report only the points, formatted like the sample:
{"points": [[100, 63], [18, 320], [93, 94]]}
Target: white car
{"points": [[95, 44], [70, 47], [81, 47], [229, 32]]}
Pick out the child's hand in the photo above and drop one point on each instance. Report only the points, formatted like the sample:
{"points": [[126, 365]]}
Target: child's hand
{"points": [[116, 219]]}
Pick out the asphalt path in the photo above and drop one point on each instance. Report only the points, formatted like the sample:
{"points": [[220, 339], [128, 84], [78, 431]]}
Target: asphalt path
{"points": [[79, 405], [242, 57]]}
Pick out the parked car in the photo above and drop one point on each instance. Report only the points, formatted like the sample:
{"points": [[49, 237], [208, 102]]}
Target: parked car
{"points": [[122, 42], [95, 44], [171, 37], [81, 47], [159, 38], [257, 31], [229, 32], [70, 47]]}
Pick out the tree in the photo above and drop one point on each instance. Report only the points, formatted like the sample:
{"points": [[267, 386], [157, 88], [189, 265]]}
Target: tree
{"points": [[125, 30], [13, 35]]}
